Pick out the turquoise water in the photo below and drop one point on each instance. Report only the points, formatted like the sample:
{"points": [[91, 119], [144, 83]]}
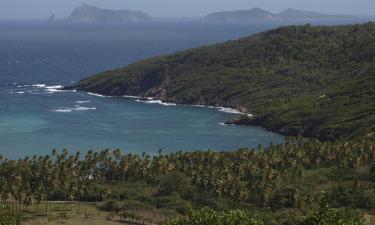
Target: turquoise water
{"points": [[36, 118]]}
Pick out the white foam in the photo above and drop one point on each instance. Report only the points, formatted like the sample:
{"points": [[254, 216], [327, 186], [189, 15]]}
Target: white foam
{"points": [[229, 110], [16, 92], [54, 87], [150, 100], [200, 106], [225, 109], [76, 108], [98, 95], [37, 85], [157, 102], [82, 102], [168, 104], [224, 124], [131, 96], [80, 108], [63, 110]]}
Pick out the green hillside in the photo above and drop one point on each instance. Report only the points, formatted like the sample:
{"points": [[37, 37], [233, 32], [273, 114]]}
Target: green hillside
{"points": [[297, 80]]}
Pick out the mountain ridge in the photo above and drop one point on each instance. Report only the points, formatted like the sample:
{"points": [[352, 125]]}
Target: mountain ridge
{"points": [[86, 13], [296, 80], [258, 14]]}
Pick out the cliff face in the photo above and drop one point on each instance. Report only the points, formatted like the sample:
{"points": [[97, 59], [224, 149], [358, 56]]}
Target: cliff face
{"points": [[90, 14], [298, 80]]}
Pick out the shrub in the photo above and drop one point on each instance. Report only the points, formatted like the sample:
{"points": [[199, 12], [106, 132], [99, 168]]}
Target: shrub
{"points": [[7, 218], [352, 196], [208, 216], [112, 206], [176, 182], [326, 215]]}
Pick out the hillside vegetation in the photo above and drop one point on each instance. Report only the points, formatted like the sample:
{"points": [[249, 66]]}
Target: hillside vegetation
{"points": [[297, 80], [278, 185]]}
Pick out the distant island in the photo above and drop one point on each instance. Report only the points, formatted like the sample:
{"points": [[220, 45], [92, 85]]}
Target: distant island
{"points": [[86, 13], [90, 14], [52, 18], [297, 80], [260, 15]]}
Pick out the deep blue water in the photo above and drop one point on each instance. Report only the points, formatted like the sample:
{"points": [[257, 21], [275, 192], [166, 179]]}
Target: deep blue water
{"points": [[35, 118]]}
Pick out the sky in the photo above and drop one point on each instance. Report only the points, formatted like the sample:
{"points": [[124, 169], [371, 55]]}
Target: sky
{"points": [[34, 9]]}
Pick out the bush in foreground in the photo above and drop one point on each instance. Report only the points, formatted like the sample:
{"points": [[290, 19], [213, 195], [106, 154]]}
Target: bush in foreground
{"points": [[208, 216], [326, 215], [7, 218]]}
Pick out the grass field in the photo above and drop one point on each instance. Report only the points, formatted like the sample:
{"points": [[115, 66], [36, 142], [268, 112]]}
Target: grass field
{"points": [[77, 214]]}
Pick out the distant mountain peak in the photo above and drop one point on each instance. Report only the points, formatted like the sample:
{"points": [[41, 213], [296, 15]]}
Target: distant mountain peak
{"points": [[52, 18], [291, 13], [259, 14], [254, 14], [86, 13], [85, 5]]}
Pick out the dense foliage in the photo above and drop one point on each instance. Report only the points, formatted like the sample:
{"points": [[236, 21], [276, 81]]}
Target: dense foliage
{"points": [[285, 176], [7, 217], [313, 81], [324, 215], [208, 216]]}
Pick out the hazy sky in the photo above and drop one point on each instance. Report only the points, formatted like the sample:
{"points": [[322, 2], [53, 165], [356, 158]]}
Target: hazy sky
{"points": [[20, 9]]}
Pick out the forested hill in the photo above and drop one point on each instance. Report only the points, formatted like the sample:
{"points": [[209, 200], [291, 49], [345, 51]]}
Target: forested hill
{"points": [[314, 81]]}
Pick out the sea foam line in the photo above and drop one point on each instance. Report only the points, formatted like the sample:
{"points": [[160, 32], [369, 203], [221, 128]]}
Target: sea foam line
{"points": [[151, 100], [156, 102], [131, 96], [98, 95], [82, 102], [77, 108], [36, 85]]}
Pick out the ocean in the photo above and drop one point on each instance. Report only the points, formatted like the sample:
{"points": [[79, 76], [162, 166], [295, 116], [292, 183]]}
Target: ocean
{"points": [[35, 117]]}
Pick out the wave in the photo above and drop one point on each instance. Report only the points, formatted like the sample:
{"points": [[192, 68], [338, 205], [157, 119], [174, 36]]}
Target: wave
{"points": [[36, 85], [80, 108], [55, 88], [131, 96], [76, 108], [82, 102], [224, 109], [17, 92], [229, 110], [200, 106], [63, 110], [224, 124], [157, 102], [48, 89], [150, 100], [98, 95]]}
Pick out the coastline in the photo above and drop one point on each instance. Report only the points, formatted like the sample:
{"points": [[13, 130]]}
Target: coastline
{"points": [[241, 118], [152, 100]]}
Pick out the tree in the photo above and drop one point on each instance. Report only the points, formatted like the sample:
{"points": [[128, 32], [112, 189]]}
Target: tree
{"points": [[326, 215]]}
